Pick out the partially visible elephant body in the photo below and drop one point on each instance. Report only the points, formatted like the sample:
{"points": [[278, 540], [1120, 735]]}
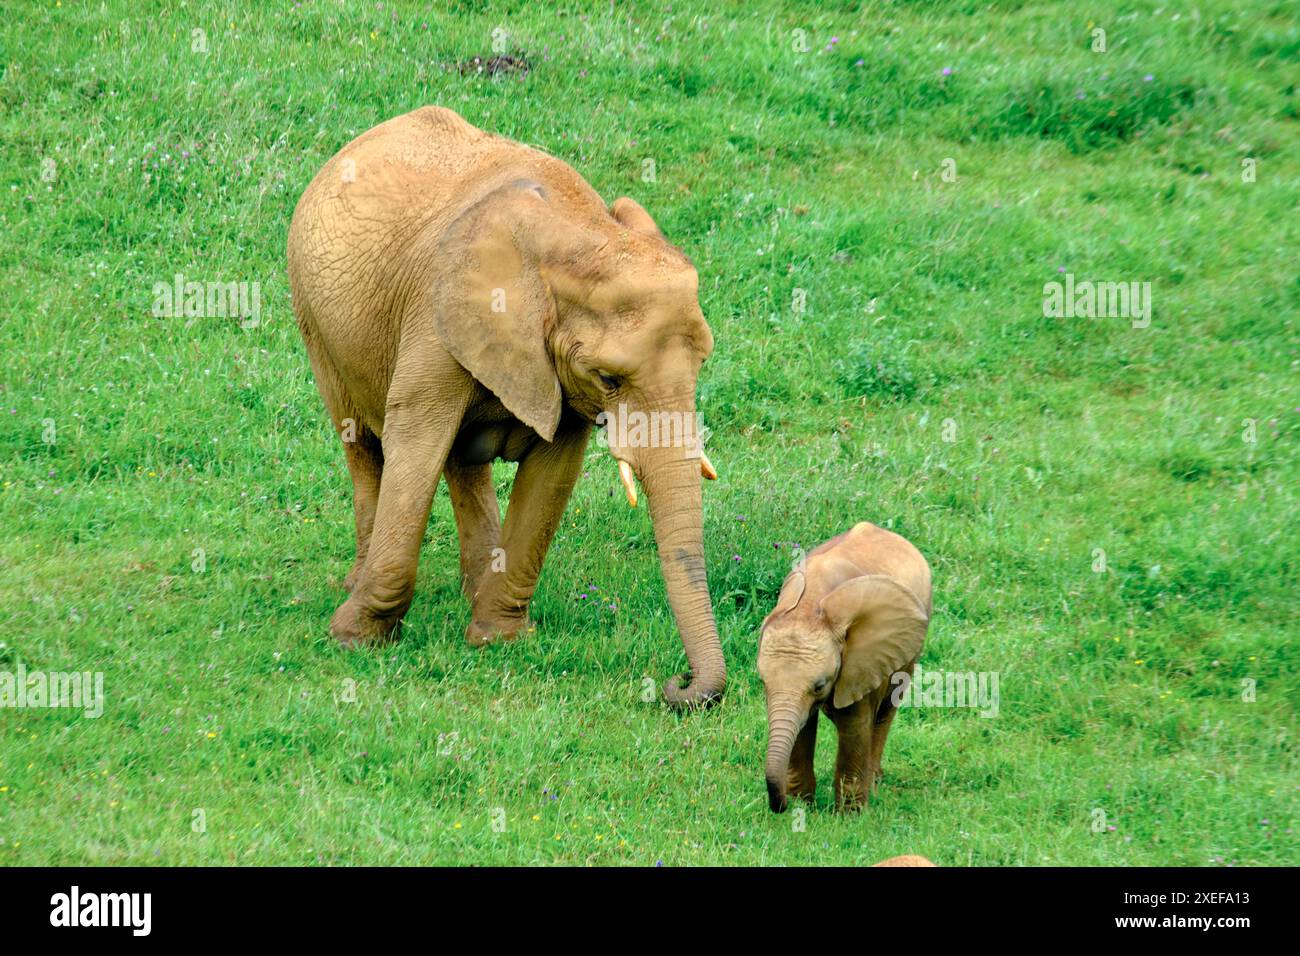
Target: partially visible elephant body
{"points": [[906, 860], [465, 298]]}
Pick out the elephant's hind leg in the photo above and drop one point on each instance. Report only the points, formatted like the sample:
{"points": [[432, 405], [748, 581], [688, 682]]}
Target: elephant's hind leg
{"points": [[365, 457], [885, 715], [362, 449], [884, 720], [478, 519]]}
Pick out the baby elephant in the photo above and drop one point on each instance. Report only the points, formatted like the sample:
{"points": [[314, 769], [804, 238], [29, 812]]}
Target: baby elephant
{"points": [[845, 623]]}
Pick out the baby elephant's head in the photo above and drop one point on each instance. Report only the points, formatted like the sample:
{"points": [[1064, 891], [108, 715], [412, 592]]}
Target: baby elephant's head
{"points": [[832, 652]]}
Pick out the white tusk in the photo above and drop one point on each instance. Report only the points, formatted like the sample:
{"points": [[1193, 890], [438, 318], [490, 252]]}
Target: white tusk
{"points": [[706, 467], [625, 474]]}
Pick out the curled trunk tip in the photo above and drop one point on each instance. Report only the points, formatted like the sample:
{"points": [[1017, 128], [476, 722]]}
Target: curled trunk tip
{"points": [[683, 692]]}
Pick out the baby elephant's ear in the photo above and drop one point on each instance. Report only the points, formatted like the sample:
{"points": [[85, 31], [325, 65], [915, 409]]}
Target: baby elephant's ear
{"points": [[883, 623], [632, 214], [791, 591]]}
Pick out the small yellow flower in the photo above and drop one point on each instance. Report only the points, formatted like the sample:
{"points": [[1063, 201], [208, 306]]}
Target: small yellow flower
{"points": [[211, 734], [1140, 662], [536, 817], [456, 825]]}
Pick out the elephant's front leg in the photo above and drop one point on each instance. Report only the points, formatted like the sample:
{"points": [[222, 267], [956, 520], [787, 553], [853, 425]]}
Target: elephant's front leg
{"points": [[541, 489], [420, 424], [855, 774]]}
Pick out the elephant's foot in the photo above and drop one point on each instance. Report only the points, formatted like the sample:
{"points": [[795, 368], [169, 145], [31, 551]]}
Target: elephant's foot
{"points": [[354, 625], [850, 801], [496, 630], [853, 793]]}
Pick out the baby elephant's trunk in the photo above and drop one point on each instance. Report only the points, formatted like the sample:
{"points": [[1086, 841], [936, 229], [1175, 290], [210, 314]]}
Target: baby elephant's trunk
{"points": [[784, 721]]}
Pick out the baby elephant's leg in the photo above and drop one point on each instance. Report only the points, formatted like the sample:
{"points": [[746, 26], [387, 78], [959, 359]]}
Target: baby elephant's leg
{"points": [[886, 711], [884, 719], [855, 772]]}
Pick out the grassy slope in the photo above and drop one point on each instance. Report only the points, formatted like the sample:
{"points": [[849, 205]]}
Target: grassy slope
{"points": [[776, 171]]}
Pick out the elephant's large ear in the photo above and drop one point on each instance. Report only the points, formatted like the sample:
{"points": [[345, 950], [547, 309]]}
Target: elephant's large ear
{"points": [[883, 624], [492, 308], [791, 591], [632, 214]]}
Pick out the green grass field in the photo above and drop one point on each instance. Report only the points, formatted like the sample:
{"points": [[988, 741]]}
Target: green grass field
{"points": [[921, 387]]}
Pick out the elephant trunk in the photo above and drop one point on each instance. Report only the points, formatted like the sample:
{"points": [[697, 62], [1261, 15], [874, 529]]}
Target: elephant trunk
{"points": [[784, 721], [671, 479]]}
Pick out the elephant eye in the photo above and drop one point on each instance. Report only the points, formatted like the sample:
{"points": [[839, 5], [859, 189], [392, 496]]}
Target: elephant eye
{"points": [[821, 685], [611, 382]]}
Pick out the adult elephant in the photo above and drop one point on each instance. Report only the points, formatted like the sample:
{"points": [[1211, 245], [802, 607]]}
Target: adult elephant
{"points": [[465, 298]]}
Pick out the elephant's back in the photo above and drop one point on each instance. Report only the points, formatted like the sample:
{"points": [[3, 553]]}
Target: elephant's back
{"points": [[355, 227], [398, 172], [431, 141], [403, 177], [871, 549]]}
